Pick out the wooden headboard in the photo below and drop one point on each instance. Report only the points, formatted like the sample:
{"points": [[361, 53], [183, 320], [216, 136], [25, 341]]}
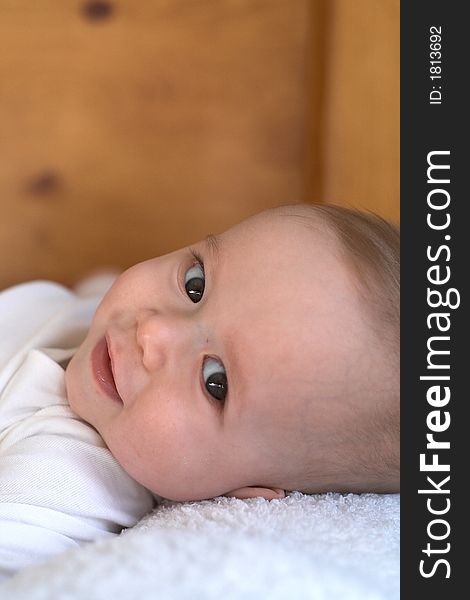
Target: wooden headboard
{"points": [[128, 129]]}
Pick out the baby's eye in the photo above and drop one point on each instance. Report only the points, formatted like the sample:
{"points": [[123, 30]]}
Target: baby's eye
{"points": [[194, 282], [215, 379]]}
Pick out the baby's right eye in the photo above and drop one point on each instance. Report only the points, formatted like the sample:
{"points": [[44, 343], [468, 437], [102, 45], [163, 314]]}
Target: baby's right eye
{"points": [[194, 282]]}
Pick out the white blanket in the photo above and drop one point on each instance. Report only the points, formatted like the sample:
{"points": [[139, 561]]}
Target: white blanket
{"points": [[326, 546]]}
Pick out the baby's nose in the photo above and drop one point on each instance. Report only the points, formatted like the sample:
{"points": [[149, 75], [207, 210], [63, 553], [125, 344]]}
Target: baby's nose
{"points": [[161, 338]]}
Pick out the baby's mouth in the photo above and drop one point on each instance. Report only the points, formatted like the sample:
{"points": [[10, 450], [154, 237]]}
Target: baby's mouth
{"points": [[110, 363], [102, 367]]}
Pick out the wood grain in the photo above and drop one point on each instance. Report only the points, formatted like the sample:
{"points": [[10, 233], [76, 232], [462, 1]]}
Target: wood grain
{"points": [[128, 129], [131, 130], [360, 149]]}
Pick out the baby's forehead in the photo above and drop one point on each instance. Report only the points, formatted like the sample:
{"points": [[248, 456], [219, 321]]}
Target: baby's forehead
{"points": [[300, 398], [278, 222], [283, 278], [281, 237]]}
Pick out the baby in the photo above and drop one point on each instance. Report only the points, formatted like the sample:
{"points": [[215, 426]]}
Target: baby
{"points": [[262, 360], [255, 362]]}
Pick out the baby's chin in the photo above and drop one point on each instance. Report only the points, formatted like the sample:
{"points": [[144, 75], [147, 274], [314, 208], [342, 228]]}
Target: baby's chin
{"points": [[70, 384], [75, 383]]}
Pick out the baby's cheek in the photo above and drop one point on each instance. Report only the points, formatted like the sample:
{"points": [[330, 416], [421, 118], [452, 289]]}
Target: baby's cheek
{"points": [[108, 305], [127, 454], [134, 447]]}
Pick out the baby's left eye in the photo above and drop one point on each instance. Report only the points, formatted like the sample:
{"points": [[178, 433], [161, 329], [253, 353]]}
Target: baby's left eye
{"points": [[215, 378]]}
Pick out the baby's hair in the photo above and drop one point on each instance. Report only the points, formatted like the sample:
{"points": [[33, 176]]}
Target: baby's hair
{"points": [[371, 246]]}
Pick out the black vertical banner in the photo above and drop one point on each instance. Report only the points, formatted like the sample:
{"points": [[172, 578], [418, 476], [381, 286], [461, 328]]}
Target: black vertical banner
{"points": [[435, 261]]}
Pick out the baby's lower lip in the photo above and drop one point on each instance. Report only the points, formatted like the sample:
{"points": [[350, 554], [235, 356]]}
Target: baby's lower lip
{"points": [[101, 368]]}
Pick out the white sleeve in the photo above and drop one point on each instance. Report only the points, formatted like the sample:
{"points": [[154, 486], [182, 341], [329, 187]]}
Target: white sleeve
{"points": [[59, 485], [40, 314], [26, 311], [57, 494]]}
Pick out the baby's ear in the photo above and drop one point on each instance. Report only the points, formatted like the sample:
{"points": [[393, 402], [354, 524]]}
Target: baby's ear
{"points": [[255, 492]]}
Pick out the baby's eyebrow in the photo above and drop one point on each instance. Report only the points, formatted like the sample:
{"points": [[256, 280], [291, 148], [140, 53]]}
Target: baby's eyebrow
{"points": [[213, 244]]}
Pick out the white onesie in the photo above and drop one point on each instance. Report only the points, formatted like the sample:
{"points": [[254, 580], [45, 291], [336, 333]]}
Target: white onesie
{"points": [[59, 485]]}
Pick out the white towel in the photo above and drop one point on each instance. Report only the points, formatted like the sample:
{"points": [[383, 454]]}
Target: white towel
{"points": [[327, 546]]}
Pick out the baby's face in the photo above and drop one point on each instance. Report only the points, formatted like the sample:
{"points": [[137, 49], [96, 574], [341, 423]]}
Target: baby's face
{"points": [[223, 369]]}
